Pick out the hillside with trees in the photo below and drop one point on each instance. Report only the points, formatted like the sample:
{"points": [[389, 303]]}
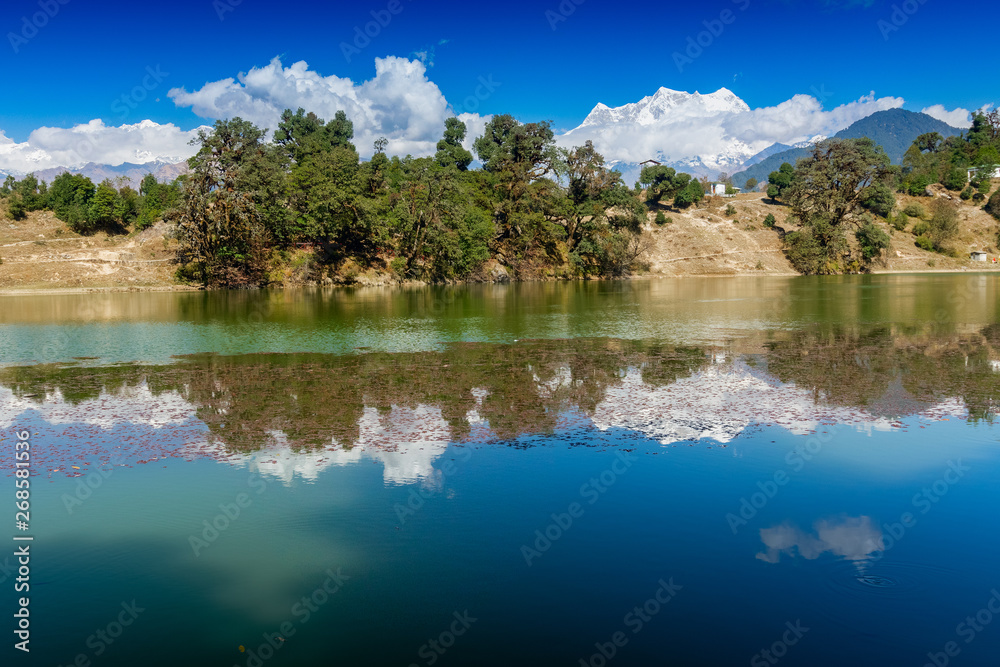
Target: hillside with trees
{"points": [[303, 208]]}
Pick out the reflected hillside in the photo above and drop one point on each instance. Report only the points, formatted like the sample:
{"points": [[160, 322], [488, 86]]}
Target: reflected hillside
{"points": [[404, 409]]}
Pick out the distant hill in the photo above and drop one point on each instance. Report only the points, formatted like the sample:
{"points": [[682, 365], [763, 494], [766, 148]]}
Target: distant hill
{"points": [[893, 129], [133, 173]]}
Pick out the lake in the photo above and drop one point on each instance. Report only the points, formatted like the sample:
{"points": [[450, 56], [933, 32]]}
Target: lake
{"points": [[676, 472]]}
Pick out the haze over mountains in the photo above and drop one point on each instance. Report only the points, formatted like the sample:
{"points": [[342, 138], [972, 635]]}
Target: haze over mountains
{"points": [[701, 134]]}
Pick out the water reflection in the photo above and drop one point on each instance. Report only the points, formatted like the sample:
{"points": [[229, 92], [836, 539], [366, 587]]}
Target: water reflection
{"points": [[293, 415], [854, 539]]}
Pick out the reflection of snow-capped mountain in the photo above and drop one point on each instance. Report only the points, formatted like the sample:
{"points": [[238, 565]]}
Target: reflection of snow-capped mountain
{"points": [[133, 405], [406, 441], [721, 402]]}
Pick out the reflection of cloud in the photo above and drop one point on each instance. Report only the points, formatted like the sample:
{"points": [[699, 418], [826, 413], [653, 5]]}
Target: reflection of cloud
{"points": [[851, 538]]}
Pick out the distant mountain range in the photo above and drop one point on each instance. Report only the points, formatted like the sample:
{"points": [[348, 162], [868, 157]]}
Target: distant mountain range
{"points": [[132, 173], [893, 129]]}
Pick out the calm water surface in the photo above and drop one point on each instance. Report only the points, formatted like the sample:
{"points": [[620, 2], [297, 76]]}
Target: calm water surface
{"points": [[693, 472]]}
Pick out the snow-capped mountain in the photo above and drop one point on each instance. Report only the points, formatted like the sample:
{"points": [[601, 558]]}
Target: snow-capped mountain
{"points": [[669, 127], [667, 106]]}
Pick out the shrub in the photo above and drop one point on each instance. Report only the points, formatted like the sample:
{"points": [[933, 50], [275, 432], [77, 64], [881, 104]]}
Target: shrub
{"points": [[924, 243], [955, 178], [730, 209], [978, 198], [944, 222], [932, 263], [966, 193], [660, 218], [915, 210], [872, 241], [993, 205], [769, 221], [920, 229], [900, 222], [16, 209]]}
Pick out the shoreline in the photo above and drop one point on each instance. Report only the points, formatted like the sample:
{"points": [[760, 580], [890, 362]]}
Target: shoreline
{"points": [[54, 291]]}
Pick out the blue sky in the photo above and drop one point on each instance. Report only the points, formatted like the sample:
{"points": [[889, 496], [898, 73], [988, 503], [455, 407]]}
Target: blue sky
{"points": [[112, 64], [90, 53]]}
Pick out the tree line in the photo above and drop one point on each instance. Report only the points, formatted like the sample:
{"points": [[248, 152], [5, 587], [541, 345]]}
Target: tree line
{"points": [[85, 207], [249, 204]]}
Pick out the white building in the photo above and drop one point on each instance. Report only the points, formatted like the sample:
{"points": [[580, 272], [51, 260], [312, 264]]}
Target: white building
{"points": [[978, 256], [974, 170]]}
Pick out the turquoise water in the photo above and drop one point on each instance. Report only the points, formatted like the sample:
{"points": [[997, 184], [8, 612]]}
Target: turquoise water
{"points": [[680, 472]]}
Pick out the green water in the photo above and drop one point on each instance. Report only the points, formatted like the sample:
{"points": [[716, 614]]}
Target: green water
{"points": [[666, 472]]}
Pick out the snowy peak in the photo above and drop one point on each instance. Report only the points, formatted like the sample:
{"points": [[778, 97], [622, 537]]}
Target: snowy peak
{"points": [[667, 104]]}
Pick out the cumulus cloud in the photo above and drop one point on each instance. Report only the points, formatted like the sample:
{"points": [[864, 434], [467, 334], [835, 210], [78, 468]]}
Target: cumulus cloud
{"points": [[75, 146], [400, 102], [722, 133], [959, 117]]}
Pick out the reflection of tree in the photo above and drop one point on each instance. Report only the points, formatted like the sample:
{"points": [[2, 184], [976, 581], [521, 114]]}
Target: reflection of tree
{"points": [[316, 399], [313, 398], [892, 371]]}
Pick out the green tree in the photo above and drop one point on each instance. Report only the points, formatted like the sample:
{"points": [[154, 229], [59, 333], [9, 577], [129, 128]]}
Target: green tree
{"points": [[692, 193], [102, 206], [450, 152], [516, 158], [69, 197], [828, 194], [750, 185], [662, 182], [778, 181], [222, 224]]}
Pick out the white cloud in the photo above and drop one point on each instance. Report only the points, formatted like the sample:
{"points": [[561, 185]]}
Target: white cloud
{"points": [[959, 117], [400, 102], [49, 147]]}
